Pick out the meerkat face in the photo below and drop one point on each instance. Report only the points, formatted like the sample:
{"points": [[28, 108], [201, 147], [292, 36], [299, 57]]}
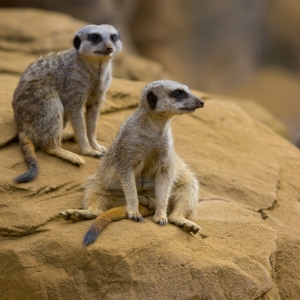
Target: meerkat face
{"points": [[170, 97], [98, 41]]}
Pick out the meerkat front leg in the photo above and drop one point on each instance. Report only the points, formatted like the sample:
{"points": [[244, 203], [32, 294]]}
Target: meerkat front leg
{"points": [[92, 115], [163, 186], [132, 201], [77, 121]]}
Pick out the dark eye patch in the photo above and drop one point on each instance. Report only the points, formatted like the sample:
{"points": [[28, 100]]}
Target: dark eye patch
{"points": [[152, 99], [95, 37], [114, 37], [178, 94], [76, 42]]}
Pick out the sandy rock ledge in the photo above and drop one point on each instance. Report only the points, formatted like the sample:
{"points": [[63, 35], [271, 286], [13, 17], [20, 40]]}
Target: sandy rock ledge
{"points": [[247, 172]]}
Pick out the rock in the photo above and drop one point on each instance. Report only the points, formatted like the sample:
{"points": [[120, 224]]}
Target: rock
{"points": [[41, 31], [248, 208], [14, 62], [7, 126], [113, 12], [256, 111], [278, 91], [134, 67]]}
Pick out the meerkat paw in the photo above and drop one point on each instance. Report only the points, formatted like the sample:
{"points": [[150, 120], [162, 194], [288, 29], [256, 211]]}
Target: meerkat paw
{"points": [[190, 227], [70, 215], [161, 221], [77, 160], [76, 215], [193, 228], [187, 225], [98, 147], [137, 217], [93, 153]]}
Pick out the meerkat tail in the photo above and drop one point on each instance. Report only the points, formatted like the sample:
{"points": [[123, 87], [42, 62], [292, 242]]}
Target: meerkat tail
{"points": [[111, 215], [27, 147]]}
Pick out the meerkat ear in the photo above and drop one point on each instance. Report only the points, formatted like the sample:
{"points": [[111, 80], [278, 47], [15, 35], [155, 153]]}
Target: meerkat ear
{"points": [[152, 99], [77, 42]]}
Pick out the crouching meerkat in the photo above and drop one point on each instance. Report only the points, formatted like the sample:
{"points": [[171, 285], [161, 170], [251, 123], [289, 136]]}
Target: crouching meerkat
{"points": [[142, 167], [57, 88]]}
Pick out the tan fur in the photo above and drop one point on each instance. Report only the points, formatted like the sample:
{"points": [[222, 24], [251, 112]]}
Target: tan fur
{"points": [[142, 167], [57, 88]]}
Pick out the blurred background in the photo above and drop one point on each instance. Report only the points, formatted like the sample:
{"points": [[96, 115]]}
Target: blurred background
{"points": [[248, 49]]}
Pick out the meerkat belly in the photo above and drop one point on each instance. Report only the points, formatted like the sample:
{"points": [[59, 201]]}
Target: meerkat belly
{"points": [[145, 174], [109, 179]]}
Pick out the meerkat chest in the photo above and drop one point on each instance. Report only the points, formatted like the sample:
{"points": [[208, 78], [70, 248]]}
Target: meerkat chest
{"points": [[156, 159], [103, 79], [97, 91], [147, 170]]}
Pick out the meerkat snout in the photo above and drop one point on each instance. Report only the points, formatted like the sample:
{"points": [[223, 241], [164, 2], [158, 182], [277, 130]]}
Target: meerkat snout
{"points": [[109, 48], [199, 103]]}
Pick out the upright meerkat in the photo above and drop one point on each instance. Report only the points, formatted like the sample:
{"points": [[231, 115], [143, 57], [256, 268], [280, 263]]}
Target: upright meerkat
{"points": [[56, 88], [142, 167]]}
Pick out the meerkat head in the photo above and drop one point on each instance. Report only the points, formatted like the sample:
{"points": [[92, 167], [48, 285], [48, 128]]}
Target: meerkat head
{"points": [[98, 41], [169, 97]]}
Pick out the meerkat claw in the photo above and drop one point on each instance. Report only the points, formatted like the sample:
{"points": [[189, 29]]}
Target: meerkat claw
{"points": [[196, 230], [136, 218], [161, 221], [65, 215], [98, 154]]}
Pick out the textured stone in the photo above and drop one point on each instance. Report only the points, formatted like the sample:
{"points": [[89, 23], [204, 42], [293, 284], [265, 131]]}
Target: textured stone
{"points": [[248, 207]]}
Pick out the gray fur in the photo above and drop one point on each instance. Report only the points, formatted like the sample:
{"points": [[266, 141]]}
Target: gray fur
{"points": [[57, 87], [141, 165]]}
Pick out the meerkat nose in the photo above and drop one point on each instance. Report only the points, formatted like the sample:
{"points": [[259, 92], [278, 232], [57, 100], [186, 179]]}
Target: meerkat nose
{"points": [[200, 103], [109, 49]]}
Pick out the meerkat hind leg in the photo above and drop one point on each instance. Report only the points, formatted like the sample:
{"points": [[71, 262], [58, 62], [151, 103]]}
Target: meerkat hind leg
{"points": [[180, 211], [184, 223], [147, 207], [76, 215], [66, 155], [94, 204]]}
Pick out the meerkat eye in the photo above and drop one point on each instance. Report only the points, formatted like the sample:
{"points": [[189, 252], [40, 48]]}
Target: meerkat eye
{"points": [[114, 37], [178, 94], [95, 37]]}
